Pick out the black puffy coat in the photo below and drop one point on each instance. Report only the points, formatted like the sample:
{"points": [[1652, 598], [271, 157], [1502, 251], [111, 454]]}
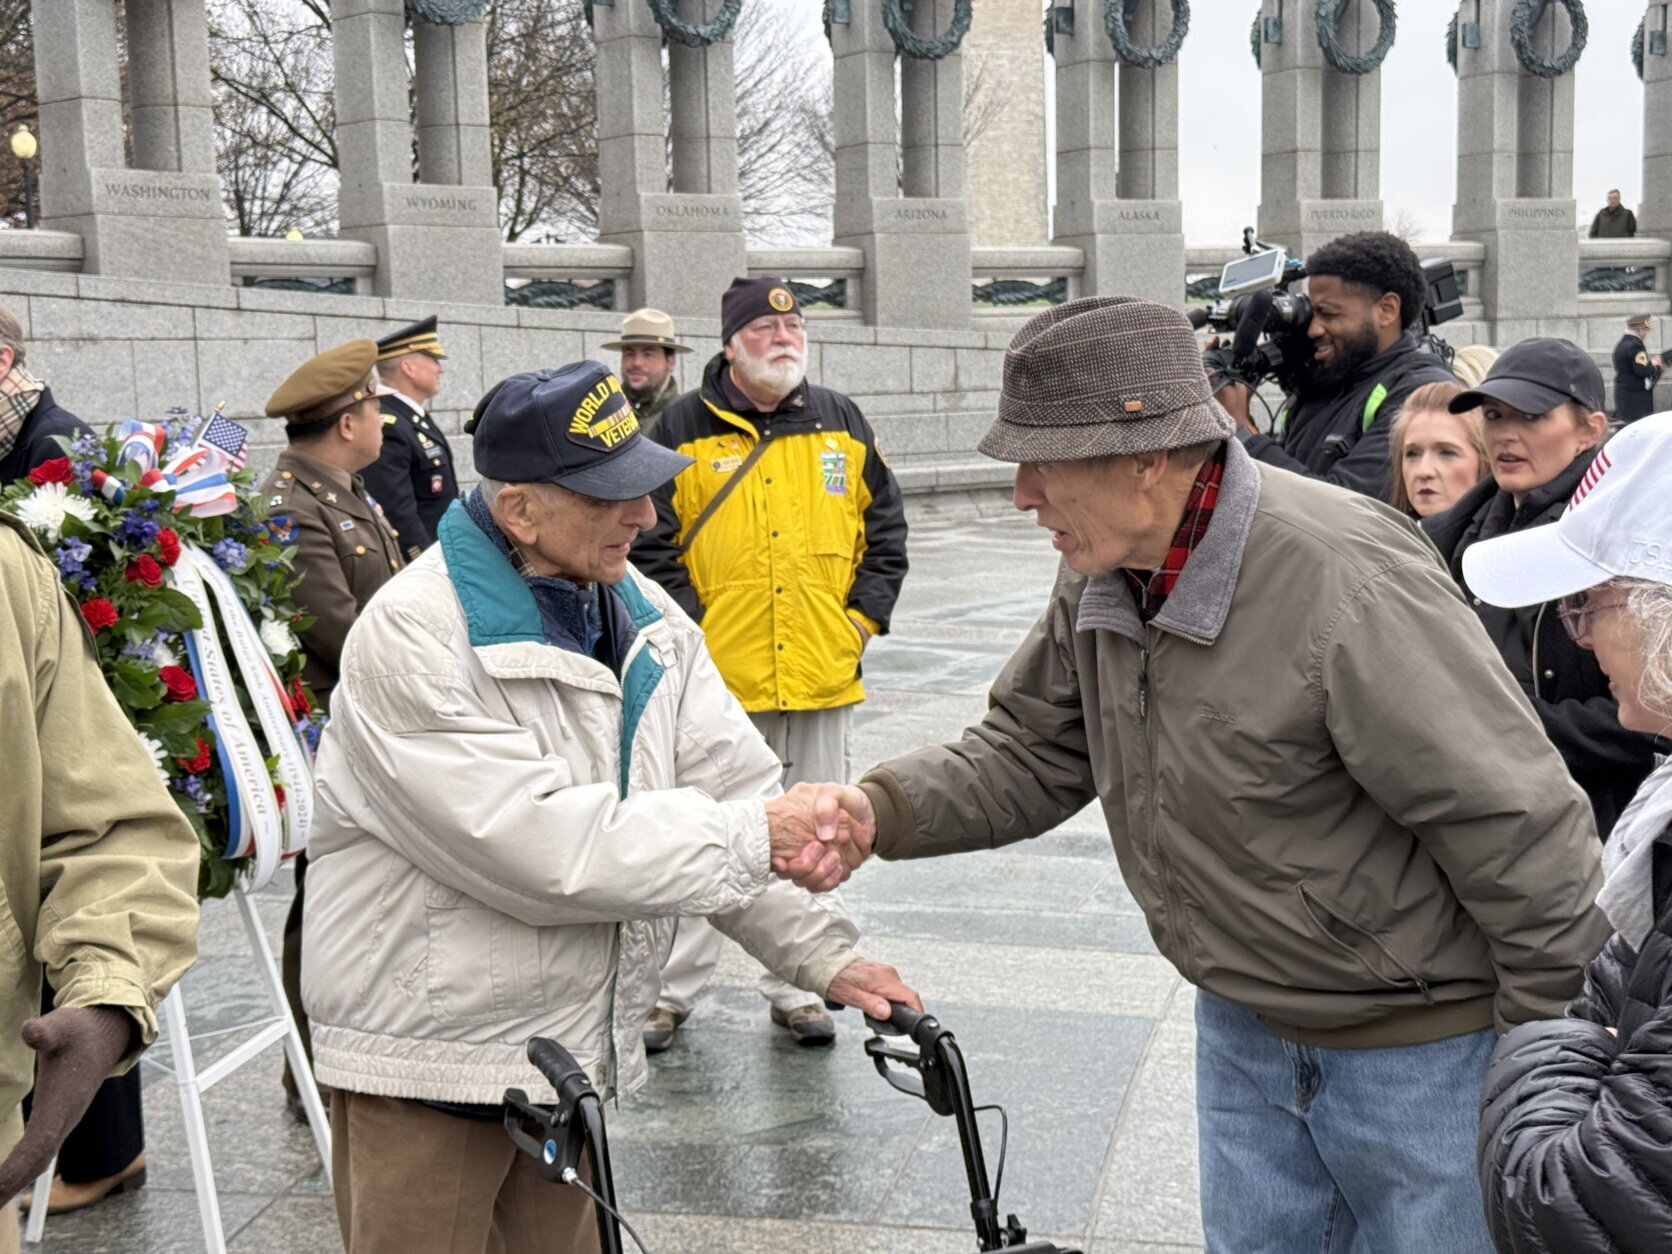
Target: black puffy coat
{"points": [[1567, 687], [35, 443], [1575, 1146]]}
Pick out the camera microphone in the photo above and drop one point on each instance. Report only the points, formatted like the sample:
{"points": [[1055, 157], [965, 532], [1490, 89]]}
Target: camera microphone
{"points": [[1252, 322]]}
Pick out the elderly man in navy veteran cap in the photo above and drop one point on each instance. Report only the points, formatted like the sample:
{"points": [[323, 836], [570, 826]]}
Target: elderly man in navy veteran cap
{"points": [[413, 476], [532, 770]]}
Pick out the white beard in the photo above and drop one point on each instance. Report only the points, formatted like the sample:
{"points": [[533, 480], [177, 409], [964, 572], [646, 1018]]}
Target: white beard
{"points": [[781, 375]]}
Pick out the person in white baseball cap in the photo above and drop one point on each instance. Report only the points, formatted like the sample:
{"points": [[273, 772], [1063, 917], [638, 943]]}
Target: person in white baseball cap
{"points": [[1573, 1151], [1608, 563]]}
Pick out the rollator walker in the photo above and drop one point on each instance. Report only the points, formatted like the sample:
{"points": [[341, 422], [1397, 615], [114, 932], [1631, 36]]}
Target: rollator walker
{"points": [[558, 1137]]}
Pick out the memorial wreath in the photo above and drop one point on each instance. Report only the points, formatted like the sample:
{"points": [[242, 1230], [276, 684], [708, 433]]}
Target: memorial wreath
{"points": [[185, 585]]}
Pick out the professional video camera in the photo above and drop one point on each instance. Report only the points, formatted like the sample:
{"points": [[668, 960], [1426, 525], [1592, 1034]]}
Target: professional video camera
{"points": [[1267, 323]]}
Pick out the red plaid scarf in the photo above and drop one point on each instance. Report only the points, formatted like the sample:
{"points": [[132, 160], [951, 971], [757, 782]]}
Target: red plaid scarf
{"points": [[1151, 593]]}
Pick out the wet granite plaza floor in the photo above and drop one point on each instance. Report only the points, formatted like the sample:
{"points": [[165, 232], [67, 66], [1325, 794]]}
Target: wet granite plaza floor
{"points": [[1035, 956]]}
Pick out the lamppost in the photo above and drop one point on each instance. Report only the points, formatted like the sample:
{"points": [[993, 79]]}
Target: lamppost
{"points": [[24, 148]]}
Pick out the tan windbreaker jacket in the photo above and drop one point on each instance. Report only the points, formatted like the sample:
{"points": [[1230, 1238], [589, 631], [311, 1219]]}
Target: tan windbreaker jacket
{"points": [[98, 867], [507, 833], [1329, 797]]}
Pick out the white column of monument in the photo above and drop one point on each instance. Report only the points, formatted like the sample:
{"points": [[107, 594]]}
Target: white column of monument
{"points": [[161, 221], [1320, 130], [1654, 213], [687, 239], [444, 237], [913, 227], [1515, 175], [1118, 182]]}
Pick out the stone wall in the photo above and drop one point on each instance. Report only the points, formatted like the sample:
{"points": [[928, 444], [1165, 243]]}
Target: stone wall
{"points": [[1006, 78], [115, 348]]}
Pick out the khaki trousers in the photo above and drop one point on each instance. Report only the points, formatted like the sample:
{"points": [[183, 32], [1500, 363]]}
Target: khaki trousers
{"points": [[9, 1235], [813, 746], [412, 1180]]}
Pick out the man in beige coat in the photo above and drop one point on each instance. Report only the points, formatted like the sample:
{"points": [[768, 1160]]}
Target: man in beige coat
{"points": [[1336, 808], [98, 873]]}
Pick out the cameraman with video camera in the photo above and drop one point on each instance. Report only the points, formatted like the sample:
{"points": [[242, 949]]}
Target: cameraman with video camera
{"points": [[1367, 294]]}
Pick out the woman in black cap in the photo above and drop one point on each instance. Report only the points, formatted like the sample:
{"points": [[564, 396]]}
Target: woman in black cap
{"points": [[1541, 411]]}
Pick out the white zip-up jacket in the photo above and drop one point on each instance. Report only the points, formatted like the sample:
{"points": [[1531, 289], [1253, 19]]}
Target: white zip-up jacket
{"points": [[506, 834]]}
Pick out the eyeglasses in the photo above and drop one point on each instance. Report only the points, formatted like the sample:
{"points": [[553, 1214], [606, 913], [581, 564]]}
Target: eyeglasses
{"points": [[1575, 612]]}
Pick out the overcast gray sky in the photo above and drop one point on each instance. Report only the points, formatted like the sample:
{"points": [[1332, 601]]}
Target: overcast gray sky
{"points": [[1219, 117]]}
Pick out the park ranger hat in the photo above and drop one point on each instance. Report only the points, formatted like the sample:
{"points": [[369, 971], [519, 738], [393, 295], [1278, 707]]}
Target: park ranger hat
{"points": [[1535, 376], [420, 337], [1100, 376], [572, 426], [322, 387], [1616, 526], [648, 326]]}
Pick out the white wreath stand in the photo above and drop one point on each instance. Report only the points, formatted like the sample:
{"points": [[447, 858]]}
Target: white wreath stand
{"points": [[194, 1083]]}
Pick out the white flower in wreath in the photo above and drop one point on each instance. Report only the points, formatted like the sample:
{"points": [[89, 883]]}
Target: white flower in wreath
{"points": [[45, 509], [158, 754], [281, 642], [163, 655]]}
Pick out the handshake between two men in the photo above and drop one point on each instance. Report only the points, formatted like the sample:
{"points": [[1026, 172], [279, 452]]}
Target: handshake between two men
{"points": [[819, 834]]}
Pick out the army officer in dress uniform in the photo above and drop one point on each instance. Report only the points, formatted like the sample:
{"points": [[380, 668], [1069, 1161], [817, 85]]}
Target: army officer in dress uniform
{"points": [[345, 550], [1636, 371], [413, 476]]}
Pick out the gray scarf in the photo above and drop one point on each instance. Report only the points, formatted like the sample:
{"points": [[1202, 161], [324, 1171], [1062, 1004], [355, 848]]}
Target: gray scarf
{"points": [[1628, 896]]}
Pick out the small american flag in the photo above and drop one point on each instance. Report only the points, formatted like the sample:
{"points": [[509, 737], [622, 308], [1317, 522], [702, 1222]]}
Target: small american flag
{"points": [[227, 436]]}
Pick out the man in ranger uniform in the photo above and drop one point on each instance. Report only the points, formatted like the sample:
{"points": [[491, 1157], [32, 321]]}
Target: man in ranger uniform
{"points": [[412, 477], [345, 550], [1636, 372], [787, 542], [650, 351]]}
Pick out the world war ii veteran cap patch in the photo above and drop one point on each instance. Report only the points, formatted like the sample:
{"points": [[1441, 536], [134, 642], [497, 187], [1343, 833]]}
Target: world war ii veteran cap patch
{"points": [[572, 426]]}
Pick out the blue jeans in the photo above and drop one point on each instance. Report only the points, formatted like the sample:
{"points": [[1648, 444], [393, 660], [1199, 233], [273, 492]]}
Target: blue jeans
{"points": [[1336, 1151]]}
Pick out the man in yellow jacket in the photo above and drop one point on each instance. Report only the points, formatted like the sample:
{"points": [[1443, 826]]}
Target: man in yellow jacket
{"points": [[98, 873], [786, 540]]}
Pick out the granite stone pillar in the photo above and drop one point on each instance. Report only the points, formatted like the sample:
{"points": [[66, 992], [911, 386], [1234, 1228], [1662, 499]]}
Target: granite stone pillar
{"points": [[913, 226], [1654, 215], [1117, 190], [1515, 175], [437, 238], [163, 220], [687, 242], [1320, 131]]}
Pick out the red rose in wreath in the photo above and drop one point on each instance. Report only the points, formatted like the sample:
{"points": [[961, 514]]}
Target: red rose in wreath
{"points": [[99, 614], [57, 470], [144, 569], [278, 795], [299, 706], [168, 543], [181, 686], [198, 764]]}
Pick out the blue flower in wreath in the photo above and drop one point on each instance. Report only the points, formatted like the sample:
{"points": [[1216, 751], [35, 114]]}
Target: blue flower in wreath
{"points": [[230, 555], [69, 557], [137, 532]]}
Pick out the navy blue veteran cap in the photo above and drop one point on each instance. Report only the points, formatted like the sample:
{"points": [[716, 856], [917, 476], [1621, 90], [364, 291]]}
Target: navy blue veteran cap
{"points": [[572, 426]]}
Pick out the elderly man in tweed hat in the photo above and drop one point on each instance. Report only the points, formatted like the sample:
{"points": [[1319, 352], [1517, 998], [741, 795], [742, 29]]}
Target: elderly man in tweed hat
{"points": [[1334, 805]]}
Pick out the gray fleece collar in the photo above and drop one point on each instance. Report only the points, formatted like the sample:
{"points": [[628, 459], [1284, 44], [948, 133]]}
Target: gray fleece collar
{"points": [[1200, 603]]}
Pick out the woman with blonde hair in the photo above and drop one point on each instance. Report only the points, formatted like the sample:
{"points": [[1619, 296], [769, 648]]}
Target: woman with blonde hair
{"points": [[1574, 1153], [1435, 456], [1472, 363]]}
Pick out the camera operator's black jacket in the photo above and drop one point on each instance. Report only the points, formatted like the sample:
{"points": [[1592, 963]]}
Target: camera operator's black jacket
{"points": [[1342, 438], [1569, 690], [1573, 1146]]}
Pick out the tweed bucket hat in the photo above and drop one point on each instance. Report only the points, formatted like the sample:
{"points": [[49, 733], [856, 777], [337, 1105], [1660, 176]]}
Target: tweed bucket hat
{"points": [[1101, 376]]}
